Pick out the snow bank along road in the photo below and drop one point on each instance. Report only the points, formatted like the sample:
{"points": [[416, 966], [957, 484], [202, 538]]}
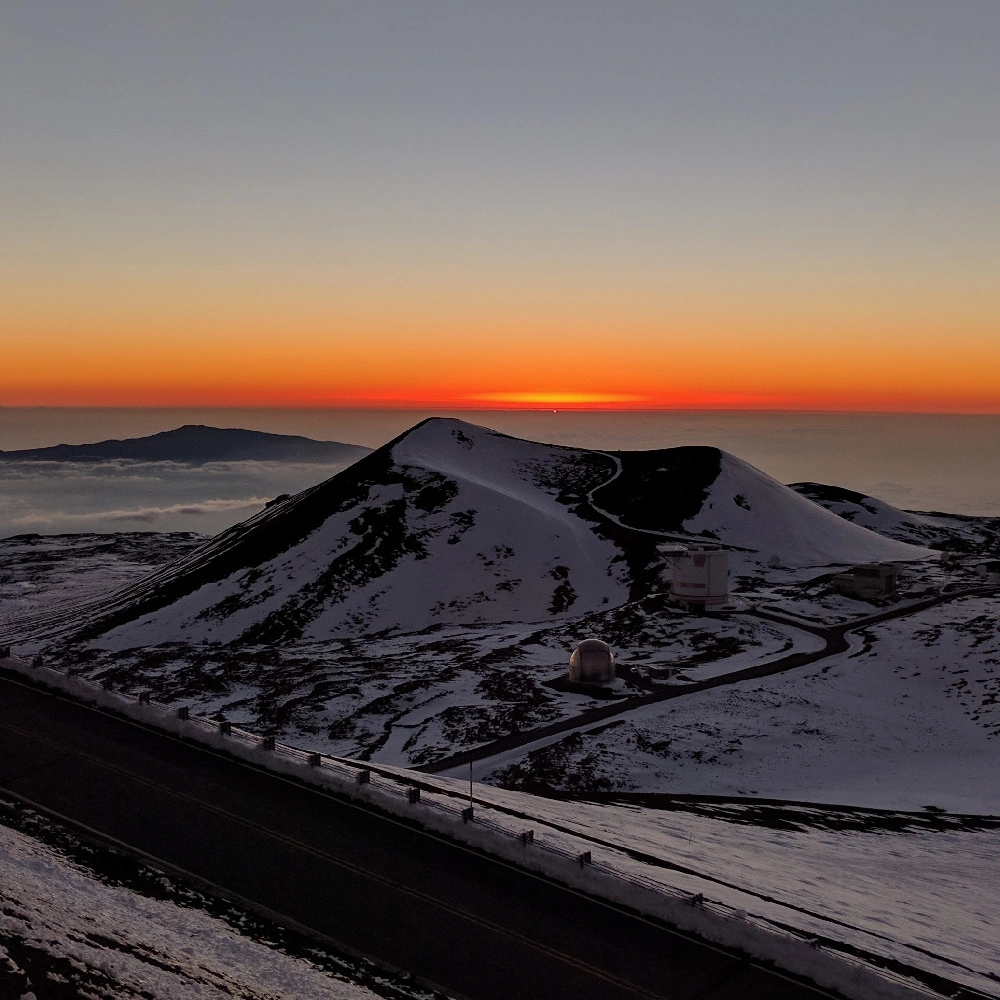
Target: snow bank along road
{"points": [[473, 926], [834, 637]]}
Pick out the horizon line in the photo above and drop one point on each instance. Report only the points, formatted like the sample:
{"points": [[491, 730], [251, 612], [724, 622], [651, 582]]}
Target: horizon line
{"points": [[416, 407]]}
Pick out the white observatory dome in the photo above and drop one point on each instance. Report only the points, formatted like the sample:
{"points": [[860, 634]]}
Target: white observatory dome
{"points": [[592, 662]]}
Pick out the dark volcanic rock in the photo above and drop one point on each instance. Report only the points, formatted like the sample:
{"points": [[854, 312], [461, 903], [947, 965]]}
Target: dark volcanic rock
{"points": [[197, 444]]}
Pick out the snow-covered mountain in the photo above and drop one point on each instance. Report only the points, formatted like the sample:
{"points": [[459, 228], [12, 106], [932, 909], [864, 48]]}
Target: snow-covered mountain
{"points": [[954, 532], [708, 492], [448, 522], [454, 523], [196, 443], [745, 507]]}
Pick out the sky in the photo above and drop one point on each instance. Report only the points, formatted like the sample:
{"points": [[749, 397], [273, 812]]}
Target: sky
{"points": [[769, 205]]}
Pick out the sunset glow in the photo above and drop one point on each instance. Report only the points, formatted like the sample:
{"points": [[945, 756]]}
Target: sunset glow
{"points": [[720, 362], [559, 209], [575, 400]]}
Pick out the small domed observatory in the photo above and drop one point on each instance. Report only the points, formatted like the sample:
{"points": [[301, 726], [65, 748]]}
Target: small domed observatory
{"points": [[592, 662]]}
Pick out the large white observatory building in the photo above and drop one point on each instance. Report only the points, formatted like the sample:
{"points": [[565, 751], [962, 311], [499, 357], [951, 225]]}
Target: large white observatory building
{"points": [[699, 574]]}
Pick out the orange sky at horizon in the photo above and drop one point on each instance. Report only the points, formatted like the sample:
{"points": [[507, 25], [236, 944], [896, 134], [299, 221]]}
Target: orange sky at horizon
{"points": [[673, 355], [629, 206], [678, 376]]}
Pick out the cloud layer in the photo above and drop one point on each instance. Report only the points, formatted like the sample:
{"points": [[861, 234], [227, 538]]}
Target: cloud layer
{"points": [[58, 497], [146, 515]]}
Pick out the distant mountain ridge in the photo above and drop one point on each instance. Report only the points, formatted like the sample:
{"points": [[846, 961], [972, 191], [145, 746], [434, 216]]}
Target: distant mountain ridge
{"points": [[936, 530], [451, 523], [197, 444]]}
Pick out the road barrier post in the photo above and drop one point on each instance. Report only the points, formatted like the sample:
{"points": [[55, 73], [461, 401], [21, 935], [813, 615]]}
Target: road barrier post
{"points": [[364, 776], [526, 837], [467, 814], [267, 743], [315, 759], [584, 859], [412, 795], [225, 728], [183, 713], [144, 698]]}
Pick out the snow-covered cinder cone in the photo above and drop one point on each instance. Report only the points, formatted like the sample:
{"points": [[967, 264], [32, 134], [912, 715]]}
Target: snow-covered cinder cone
{"points": [[453, 523]]}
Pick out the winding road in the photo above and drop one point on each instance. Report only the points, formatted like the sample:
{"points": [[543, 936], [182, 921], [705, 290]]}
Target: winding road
{"points": [[462, 922], [834, 641]]}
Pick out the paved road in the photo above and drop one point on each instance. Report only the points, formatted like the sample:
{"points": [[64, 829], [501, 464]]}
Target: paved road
{"points": [[833, 636], [474, 926]]}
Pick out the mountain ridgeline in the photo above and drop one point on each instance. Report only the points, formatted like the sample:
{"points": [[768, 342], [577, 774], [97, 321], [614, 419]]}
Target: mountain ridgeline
{"points": [[451, 523], [947, 532], [196, 444]]}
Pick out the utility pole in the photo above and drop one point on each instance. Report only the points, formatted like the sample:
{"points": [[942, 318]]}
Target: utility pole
{"points": [[467, 813]]}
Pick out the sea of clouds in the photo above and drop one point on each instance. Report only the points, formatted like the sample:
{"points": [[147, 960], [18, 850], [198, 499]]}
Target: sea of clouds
{"points": [[59, 497]]}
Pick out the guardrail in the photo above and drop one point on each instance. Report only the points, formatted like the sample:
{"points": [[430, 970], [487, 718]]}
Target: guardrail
{"points": [[358, 778]]}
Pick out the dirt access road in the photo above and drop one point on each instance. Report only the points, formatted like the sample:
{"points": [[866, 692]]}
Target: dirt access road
{"points": [[834, 638]]}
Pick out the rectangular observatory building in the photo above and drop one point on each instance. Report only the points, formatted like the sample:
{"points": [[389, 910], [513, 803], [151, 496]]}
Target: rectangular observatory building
{"points": [[699, 575]]}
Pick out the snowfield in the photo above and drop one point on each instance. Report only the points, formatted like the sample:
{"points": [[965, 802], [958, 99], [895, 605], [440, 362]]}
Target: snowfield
{"points": [[953, 532], [93, 922], [457, 524], [409, 698], [747, 508], [425, 601], [907, 718], [920, 891], [38, 572], [871, 945]]}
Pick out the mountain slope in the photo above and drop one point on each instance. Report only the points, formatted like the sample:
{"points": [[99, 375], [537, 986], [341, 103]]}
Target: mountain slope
{"points": [[196, 443], [456, 524], [951, 532], [448, 522], [707, 492], [746, 507]]}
